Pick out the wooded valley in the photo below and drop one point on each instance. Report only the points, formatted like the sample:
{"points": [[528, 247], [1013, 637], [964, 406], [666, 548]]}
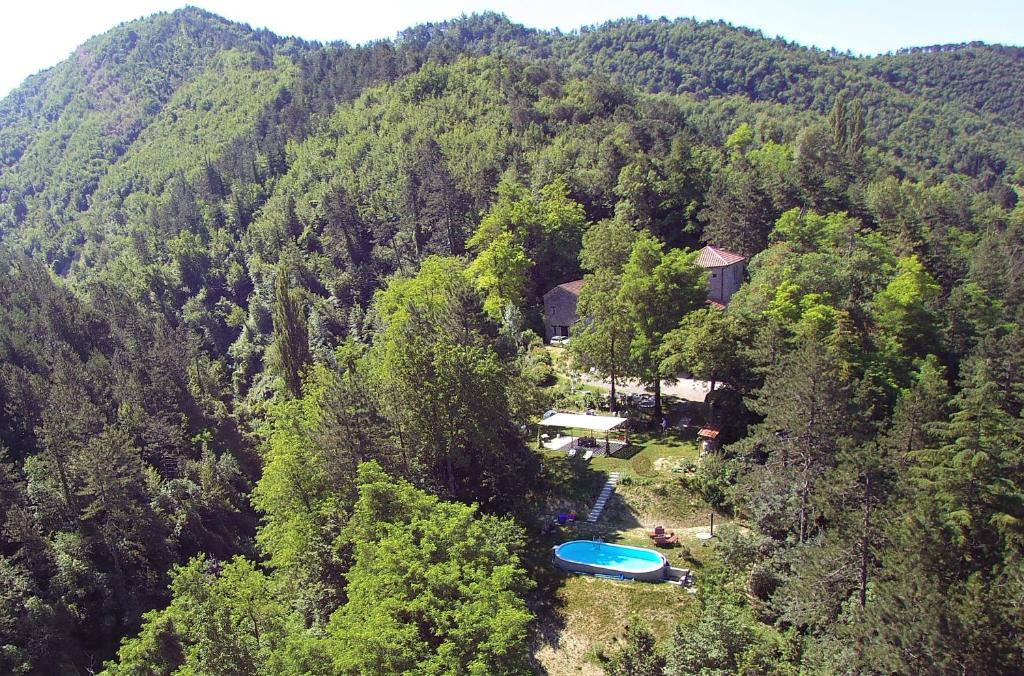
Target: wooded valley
{"points": [[271, 357]]}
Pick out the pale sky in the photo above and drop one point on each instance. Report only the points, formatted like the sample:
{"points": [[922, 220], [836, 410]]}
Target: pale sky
{"points": [[37, 34]]}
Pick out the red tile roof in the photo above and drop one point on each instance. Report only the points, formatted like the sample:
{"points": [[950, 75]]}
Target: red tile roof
{"points": [[715, 304], [710, 432], [572, 287], [713, 257]]}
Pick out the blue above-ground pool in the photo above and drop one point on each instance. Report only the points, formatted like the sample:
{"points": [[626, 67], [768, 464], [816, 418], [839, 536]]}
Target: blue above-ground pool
{"points": [[603, 558]]}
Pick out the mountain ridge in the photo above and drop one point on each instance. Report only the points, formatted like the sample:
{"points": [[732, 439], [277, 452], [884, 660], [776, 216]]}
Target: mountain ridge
{"points": [[234, 267]]}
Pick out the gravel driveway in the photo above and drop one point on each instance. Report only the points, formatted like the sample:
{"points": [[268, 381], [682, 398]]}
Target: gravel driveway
{"points": [[683, 388]]}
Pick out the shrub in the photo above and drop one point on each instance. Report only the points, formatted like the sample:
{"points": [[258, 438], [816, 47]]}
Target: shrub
{"points": [[541, 375], [642, 465], [539, 369], [713, 480], [762, 582], [686, 465], [737, 550]]}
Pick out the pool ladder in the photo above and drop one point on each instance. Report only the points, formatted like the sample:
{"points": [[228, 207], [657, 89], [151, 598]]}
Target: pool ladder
{"points": [[602, 499]]}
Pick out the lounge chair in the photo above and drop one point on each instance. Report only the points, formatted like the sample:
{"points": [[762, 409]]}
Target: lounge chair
{"points": [[658, 531], [588, 455], [667, 540]]}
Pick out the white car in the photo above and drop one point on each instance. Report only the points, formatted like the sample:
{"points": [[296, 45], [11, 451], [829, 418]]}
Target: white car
{"points": [[559, 341]]}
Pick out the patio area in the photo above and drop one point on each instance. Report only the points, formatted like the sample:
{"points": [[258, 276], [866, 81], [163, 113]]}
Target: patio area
{"points": [[608, 434]]}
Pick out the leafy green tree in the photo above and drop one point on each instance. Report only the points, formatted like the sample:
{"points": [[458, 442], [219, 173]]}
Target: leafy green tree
{"points": [[500, 273], [458, 431], [705, 345], [220, 621], [523, 232], [304, 494], [662, 194], [809, 231], [773, 163], [607, 245], [740, 140], [603, 336], [658, 289], [904, 311], [435, 588]]}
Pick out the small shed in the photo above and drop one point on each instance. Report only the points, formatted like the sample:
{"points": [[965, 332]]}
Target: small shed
{"points": [[589, 423], [709, 438], [560, 309]]}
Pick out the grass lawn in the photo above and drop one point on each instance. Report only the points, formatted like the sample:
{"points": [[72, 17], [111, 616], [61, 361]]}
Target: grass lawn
{"points": [[580, 615], [652, 490], [592, 614]]}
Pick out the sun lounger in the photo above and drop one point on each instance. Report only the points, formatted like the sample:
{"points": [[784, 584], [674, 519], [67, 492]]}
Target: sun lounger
{"points": [[657, 532], [588, 455], [666, 540]]}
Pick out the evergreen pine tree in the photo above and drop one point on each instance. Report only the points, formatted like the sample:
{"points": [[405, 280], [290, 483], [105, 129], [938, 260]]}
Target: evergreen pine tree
{"points": [[291, 338]]}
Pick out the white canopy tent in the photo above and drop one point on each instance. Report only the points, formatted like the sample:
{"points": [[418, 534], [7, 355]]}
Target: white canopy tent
{"points": [[591, 423]]}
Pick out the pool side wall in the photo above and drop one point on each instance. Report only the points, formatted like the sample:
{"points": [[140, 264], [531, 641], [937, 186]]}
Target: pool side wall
{"points": [[577, 567]]}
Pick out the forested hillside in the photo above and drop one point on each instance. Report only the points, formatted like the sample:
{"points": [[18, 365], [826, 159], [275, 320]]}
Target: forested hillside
{"points": [[269, 353]]}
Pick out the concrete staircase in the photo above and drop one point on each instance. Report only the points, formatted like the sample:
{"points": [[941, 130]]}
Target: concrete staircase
{"points": [[602, 499]]}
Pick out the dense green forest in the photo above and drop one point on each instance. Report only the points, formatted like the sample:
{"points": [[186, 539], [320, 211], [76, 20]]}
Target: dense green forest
{"points": [[269, 353]]}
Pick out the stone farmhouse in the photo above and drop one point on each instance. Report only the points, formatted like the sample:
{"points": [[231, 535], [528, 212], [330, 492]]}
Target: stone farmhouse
{"points": [[726, 271], [560, 309]]}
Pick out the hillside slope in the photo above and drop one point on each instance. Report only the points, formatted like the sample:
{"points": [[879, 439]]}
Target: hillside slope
{"points": [[65, 129], [233, 267], [94, 105], [952, 108]]}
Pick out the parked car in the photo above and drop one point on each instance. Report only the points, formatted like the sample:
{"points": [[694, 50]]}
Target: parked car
{"points": [[559, 341]]}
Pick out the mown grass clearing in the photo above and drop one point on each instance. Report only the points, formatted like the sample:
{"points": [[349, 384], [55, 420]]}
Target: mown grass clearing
{"points": [[584, 615], [593, 615]]}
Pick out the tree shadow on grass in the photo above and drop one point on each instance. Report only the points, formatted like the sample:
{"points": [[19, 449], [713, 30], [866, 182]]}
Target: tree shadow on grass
{"points": [[545, 601], [626, 452], [567, 482]]}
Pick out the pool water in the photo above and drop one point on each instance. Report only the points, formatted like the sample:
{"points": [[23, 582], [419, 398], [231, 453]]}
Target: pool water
{"points": [[617, 557]]}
